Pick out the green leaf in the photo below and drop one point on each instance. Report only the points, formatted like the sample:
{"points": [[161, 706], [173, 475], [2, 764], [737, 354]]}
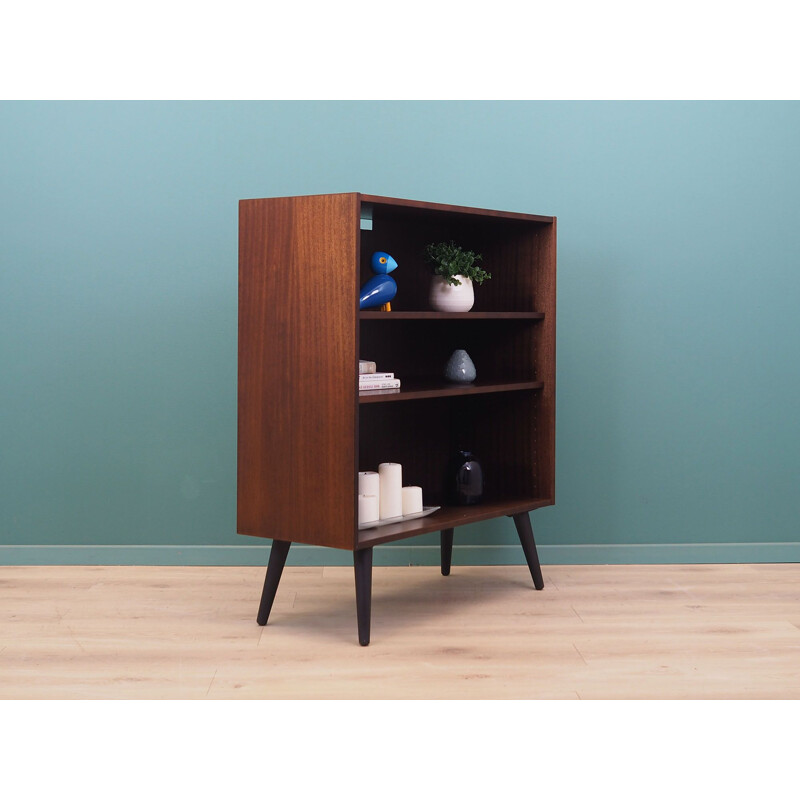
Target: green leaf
{"points": [[450, 260]]}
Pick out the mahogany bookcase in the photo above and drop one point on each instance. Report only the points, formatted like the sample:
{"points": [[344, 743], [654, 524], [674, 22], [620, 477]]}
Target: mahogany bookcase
{"points": [[303, 430]]}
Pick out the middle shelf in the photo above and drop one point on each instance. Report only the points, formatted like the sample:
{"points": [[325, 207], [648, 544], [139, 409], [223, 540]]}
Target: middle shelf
{"points": [[423, 388]]}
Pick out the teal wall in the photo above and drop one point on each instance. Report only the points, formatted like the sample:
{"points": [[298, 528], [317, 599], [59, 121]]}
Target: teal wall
{"points": [[678, 430]]}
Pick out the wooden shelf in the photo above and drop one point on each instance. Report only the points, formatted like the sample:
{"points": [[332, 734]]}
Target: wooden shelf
{"points": [[450, 315], [423, 389], [448, 517]]}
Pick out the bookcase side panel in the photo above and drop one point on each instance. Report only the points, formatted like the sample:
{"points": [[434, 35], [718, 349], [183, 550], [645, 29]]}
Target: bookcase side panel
{"points": [[545, 358], [297, 362]]}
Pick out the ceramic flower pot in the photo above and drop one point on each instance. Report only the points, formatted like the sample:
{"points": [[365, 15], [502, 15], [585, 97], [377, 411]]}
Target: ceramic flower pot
{"points": [[446, 297]]}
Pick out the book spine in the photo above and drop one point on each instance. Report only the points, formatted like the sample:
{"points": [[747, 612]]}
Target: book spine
{"points": [[376, 376], [385, 384], [366, 367], [380, 391]]}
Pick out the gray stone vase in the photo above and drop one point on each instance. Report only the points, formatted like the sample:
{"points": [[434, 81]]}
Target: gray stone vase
{"points": [[460, 368]]}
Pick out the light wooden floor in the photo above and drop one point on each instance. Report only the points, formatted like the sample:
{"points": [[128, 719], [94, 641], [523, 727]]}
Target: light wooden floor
{"points": [[700, 631]]}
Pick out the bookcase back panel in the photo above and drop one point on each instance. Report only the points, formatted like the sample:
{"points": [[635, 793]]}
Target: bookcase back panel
{"points": [[499, 429], [418, 438], [502, 350], [510, 248]]}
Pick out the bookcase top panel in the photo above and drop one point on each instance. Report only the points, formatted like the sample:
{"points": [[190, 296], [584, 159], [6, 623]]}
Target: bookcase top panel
{"points": [[399, 204]]}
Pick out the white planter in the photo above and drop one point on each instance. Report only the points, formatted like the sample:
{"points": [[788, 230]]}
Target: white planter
{"points": [[446, 297]]}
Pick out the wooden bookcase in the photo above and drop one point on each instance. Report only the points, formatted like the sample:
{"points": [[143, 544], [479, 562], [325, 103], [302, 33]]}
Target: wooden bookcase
{"points": [[303, 430]]}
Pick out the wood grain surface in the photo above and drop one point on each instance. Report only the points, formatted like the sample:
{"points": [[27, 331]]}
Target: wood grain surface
{"points": [[444, 209], [297, 366], [304, 432], [595, 632], [428, 389], [448, 316]]}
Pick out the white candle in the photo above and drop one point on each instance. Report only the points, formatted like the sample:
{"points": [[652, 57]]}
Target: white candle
{"points": [[368, 508], [412, 499], [391, 479], [369, 483]]}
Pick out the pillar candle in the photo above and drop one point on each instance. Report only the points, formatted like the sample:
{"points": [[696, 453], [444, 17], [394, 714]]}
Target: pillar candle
{"points": [[368, 508], [412, 499], [391, 480], [369, 483]]}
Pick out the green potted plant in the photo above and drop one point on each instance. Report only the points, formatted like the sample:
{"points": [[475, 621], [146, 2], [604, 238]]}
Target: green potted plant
{"points": [[454, 271]]}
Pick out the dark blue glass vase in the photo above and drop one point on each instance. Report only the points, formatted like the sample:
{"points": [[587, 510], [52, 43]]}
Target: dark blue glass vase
{"points": [[467, 480]]}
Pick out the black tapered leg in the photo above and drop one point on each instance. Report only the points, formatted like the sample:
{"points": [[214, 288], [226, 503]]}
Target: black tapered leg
{"points": [[525, 532], [447, 550], [277, 558], [362, 561]]}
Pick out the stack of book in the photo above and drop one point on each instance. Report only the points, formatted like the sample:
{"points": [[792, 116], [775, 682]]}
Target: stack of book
{"points": [[370, 380]]}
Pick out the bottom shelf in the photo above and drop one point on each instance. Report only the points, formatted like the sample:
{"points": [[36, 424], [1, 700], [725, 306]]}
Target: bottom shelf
{"points": [[448, 517]]}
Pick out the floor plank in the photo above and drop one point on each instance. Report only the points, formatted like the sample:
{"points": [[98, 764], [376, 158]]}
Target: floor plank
{"points": [[595, 632]]}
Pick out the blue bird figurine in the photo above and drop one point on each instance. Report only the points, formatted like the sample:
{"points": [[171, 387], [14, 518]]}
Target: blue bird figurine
{"points": [[380, 289]]}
